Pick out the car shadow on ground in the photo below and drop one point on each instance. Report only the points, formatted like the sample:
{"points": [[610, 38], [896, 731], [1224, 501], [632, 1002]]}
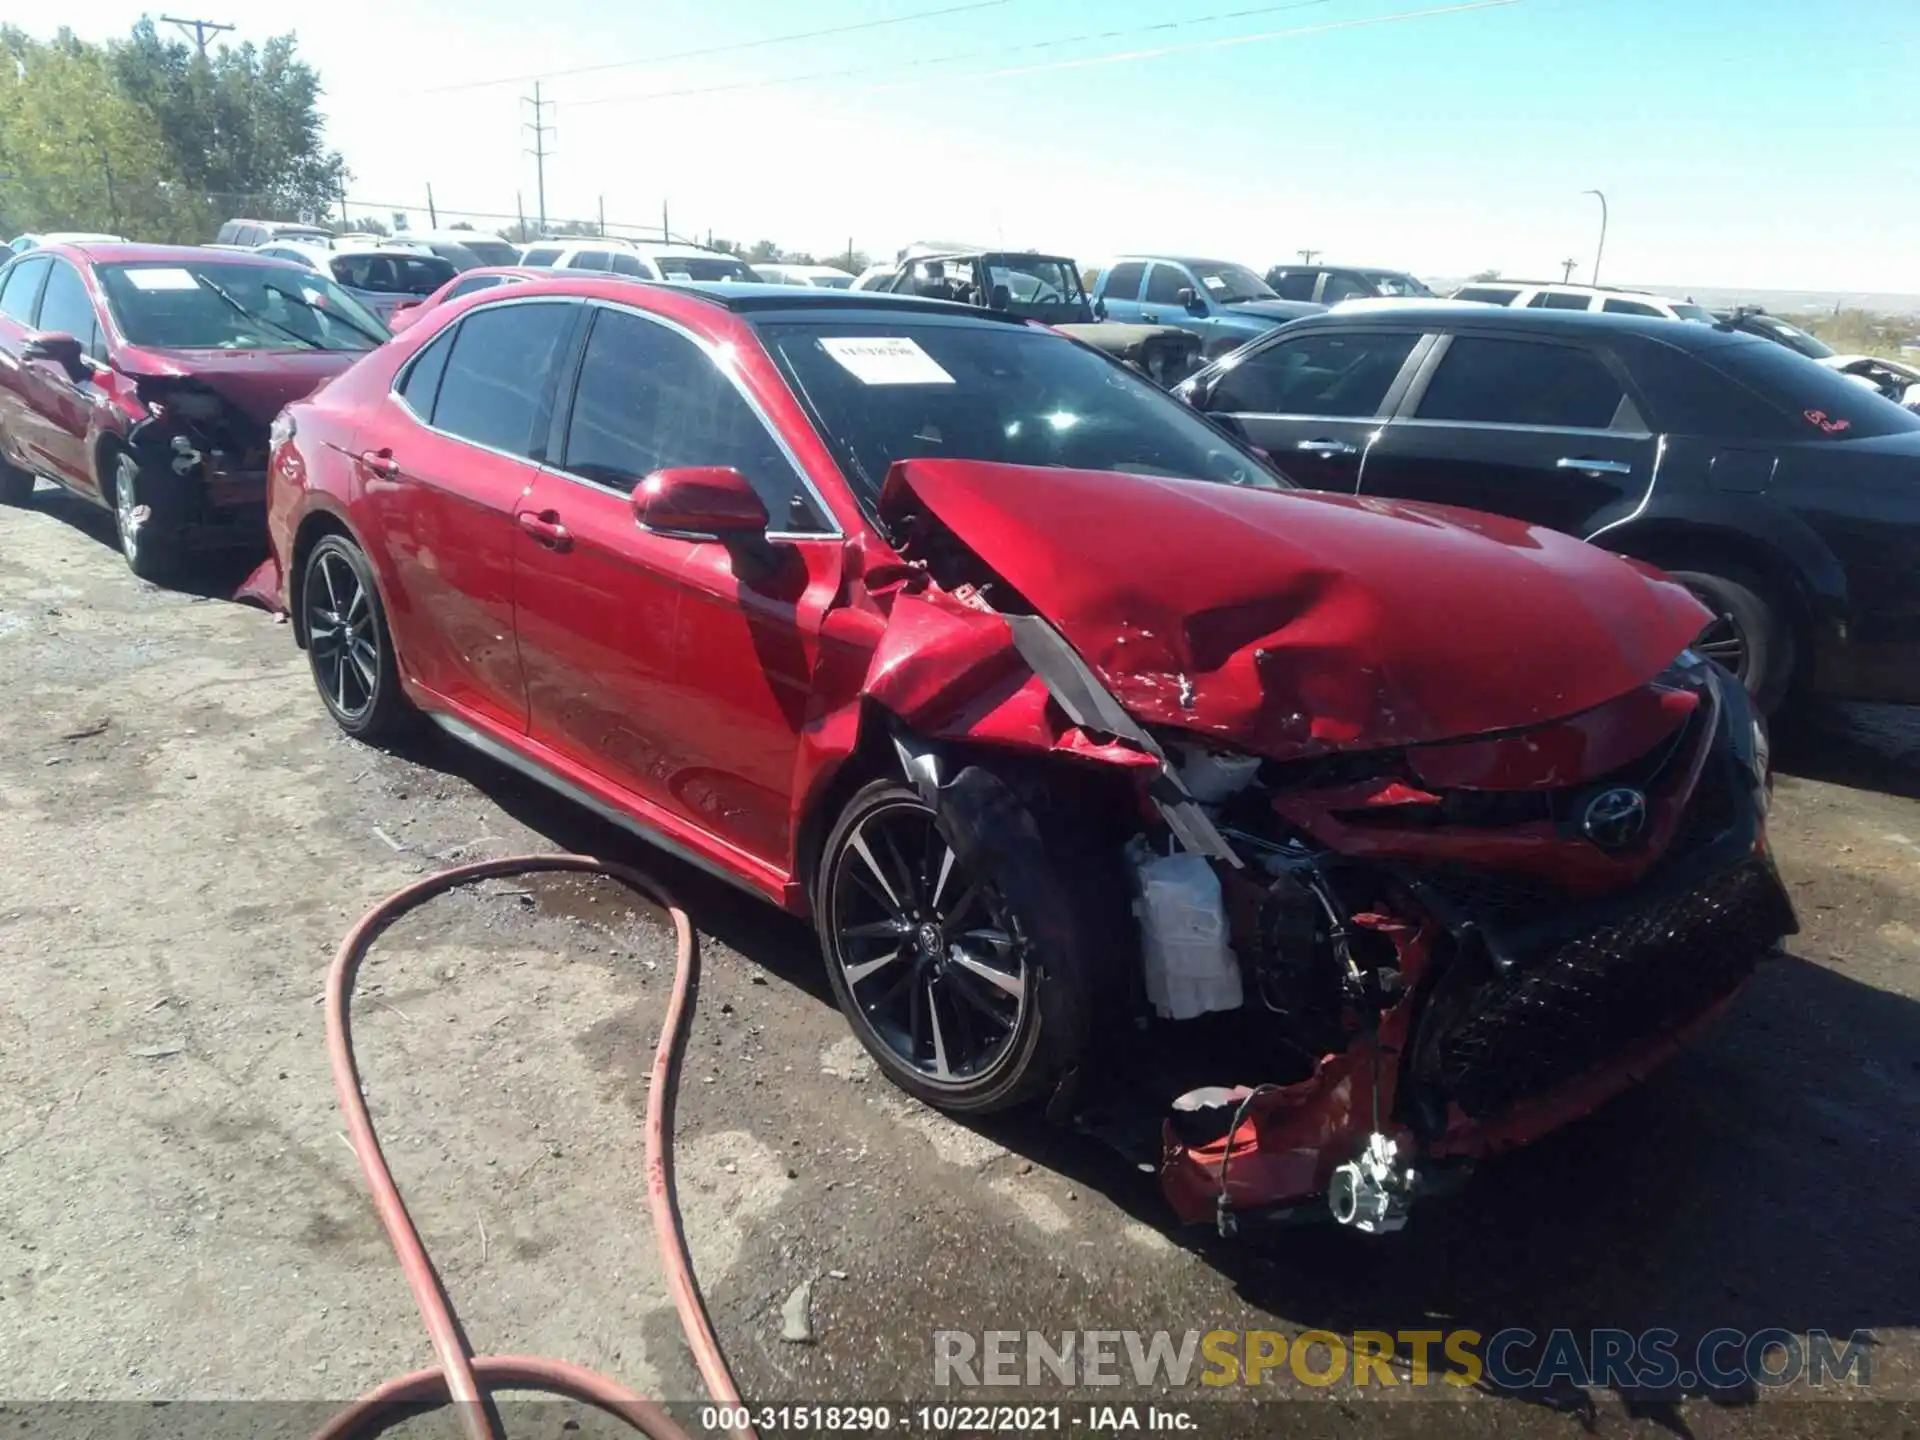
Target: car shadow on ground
{"points": [[1859, 745], [209, 574], [1761, 1181]]}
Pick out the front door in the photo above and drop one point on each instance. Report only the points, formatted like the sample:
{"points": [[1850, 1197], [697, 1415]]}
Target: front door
{"points": [[678, 669], [443, 469], [1314, 401], [1543, 432], [59, 406]]}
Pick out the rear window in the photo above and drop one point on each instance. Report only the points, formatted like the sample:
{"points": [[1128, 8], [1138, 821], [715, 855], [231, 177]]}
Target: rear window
{"points": [[390, 274], [1520, 382], [541, 255], [708, 267], [491, 251], [1487, 294], [1824, 402]]}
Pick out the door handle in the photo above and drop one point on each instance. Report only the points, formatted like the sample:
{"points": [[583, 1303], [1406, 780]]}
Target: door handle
{"points": [[1327, 447], [381, 463], [1593, 467], [546, 528], [1149, 317]]}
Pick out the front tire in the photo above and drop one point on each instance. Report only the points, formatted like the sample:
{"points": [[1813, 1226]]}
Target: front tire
{"points": [[956, 958], [1748, 635], [349, 648], [146, 520]]}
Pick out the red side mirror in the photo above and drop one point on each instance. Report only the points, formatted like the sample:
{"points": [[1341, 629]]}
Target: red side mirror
{"points": [[700, 502]]}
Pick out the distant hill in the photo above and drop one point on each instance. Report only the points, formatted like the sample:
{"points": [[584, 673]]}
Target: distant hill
{"points": [[1780, 302]]}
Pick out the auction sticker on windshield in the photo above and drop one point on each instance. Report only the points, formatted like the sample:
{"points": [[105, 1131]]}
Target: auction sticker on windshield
{"points": [[885, 360], [162, 280]]}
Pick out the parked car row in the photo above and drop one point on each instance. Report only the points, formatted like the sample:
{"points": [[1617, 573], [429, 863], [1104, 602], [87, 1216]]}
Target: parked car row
{"points": [[1074, 712]]}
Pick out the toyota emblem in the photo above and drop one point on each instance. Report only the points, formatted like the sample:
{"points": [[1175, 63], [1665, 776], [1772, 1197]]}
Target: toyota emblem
{"points": [[1615, 818]]}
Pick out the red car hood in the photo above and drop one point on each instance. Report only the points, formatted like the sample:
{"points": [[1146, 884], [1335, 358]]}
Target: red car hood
{"points": [[258, 382], [1290, 622]]}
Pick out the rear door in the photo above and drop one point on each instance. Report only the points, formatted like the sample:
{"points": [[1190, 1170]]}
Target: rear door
{"points": [[1545, 430], [678, 669], [1120, 290], [455, 448], [1314, 400]]}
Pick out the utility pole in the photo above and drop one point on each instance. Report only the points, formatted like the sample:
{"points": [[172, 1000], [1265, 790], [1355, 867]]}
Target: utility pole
{"points": [[540, 130], [520, 205], [666, 235], [603, 215], [199, 29], [433, 216], [1566, 271], [1601, 248], [1306, 256]]}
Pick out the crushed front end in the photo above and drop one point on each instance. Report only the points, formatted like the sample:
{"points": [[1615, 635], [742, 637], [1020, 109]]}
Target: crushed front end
{"points": [[202, 462], [1465, 946]]}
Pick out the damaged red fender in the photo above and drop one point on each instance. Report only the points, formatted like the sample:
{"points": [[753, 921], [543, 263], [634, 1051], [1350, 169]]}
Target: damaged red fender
{"points": [[1293, 622]]}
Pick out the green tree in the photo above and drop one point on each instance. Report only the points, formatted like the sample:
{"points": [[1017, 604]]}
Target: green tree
{"points": [[1481, 277], [243, 125], [763, 250], [77, 154], [368, 225]]}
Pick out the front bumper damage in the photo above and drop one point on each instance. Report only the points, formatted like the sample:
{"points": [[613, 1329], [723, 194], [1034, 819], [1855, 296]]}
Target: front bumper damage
{"points": [[203, 463]]}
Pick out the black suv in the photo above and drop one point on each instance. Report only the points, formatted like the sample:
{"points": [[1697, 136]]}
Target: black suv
{"points": [[1787, 497]]}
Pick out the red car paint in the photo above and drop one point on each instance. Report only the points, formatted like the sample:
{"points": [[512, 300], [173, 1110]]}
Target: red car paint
{"points": [[407, 312], [63, 429], [716, 705]]}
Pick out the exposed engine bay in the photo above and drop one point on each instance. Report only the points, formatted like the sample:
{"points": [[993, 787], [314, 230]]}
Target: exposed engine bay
{"points": [[214, 451], [1386, 952]]}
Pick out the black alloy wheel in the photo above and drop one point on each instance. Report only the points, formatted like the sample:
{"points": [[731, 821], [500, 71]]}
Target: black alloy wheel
{"points": [[932, 964], [1746, 634], [348, 646]]}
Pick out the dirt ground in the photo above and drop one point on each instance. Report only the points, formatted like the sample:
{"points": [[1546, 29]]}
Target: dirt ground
{"points": [[184, 838]]}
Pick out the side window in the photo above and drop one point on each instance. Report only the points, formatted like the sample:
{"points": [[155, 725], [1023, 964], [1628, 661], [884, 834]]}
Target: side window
{"points": [[475, 285], [23, 288], [591, 260], [541, 255], [1123, 282], [1292, 284], [1516, 382], [1336, 375], [1628, 307], [67, 309], [421, 384], [1487, 294], [495, 390], [1690, 398], [1164, 284], [227, 232], [648, 399], [1560, 300], [625, 264], [1344, 287]]}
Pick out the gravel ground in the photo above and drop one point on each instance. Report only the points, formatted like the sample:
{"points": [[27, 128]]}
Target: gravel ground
{"points": [[184, 838]]}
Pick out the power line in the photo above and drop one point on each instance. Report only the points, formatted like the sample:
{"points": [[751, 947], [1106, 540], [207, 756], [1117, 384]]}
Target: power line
{"points": [[727, 49], [993, 52]]}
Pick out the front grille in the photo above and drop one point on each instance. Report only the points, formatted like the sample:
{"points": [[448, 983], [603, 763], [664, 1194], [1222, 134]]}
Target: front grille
{"points": [[1597, 995]]}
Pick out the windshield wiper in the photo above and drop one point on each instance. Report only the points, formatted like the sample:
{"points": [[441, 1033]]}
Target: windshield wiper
{"points": [[244, 312], [325, 314]]}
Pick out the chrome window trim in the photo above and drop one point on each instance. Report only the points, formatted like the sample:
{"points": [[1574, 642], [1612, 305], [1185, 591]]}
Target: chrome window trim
{"points": [[1521, 429]]}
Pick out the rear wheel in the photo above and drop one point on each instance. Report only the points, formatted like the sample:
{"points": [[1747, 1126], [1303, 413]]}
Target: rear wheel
{"points": [[1748, 634], [349, 647], [955, 959]]}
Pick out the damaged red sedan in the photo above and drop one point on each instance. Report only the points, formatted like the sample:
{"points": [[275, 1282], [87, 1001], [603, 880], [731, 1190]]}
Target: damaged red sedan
{"points": [[1079, 732], [144, 378]]}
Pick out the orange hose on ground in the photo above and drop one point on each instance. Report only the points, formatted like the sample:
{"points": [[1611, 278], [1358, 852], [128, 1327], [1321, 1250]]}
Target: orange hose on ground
{"points": [[461, 1378]]}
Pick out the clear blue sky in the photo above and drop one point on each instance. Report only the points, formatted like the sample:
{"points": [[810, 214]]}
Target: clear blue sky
{"points": [[1765, 143]]}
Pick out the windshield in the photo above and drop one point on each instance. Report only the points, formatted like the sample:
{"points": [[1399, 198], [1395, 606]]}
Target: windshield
{"points": [[393, 274], [1792, 336], [1392, 282], [180, 307], [917, 388], [1687, 310], [1038, 288], [1231, 284], [491, 251], [1823, 402]]}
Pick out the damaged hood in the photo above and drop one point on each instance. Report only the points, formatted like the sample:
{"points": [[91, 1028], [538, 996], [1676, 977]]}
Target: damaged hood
{"points": [[1293, 621], [259, 383]]}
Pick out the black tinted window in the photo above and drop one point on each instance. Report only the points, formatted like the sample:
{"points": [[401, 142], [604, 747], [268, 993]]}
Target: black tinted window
{"points": [[495, 388], [624, 264], [1486, 294], [650, 399], [393, 274], [1514, 382], [1819, 402], [1628, 307], [23, 287], [1164, 284], [476, 284], [1689, 398], [541, 255], [1325, 374], [1560, 300], [1124, 282], [591, 260], [422, 380], [67, 309], [1293, 284]]}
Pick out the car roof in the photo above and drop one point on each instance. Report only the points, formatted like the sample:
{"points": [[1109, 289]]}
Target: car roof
{"points": [[1453, 314], [134, 254], [748, 299]]}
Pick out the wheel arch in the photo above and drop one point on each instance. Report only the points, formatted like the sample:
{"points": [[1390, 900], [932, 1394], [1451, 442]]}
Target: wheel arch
{"points": [[315, 526]]}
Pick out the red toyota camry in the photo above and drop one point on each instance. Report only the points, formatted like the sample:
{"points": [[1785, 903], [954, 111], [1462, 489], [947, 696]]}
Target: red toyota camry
{"points": [[1077, 729]]}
